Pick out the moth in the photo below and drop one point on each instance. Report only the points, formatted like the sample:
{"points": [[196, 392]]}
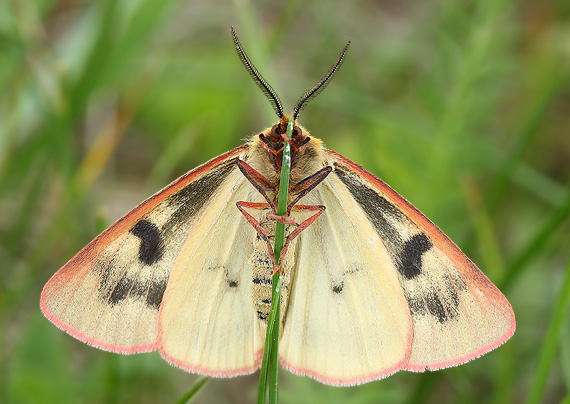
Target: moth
{"points": [[371, 286]]}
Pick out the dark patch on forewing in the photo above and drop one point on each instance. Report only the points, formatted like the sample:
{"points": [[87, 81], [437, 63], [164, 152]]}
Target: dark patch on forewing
{"points": [[441, 302], [190, 199], [156, 293], [121, 290], [232, 283], [187, 202], [375, 206], [411, 255], [136, 289], [151, 246], [406, 254]]}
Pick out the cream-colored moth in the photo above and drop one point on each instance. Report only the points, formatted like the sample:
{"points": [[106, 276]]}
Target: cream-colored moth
{"points": [[371, 285]]}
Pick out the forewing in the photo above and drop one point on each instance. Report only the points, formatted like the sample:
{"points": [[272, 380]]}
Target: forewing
{"points": [[457, 313], [347, 321], [110, 293]]}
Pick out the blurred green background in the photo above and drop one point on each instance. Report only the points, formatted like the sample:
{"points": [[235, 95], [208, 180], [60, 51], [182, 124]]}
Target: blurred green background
{"points": [[462, 106]]}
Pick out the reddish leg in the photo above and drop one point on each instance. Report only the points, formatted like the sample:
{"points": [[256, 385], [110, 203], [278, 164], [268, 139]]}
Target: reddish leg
{"points": [[293, 147], [302, 226], [262, 184], [281, 218], [258, 181], [256, 225], [303, 187]]}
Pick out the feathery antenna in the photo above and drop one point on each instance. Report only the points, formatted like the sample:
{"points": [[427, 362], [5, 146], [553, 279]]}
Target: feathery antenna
{"points": [[313, 92], [264, 85]]}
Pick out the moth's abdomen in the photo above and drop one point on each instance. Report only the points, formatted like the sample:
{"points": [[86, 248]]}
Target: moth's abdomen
{"points": [[262, 269]]}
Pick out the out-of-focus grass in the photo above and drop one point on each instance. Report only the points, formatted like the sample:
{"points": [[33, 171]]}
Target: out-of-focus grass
{"points": [[461, 106]]}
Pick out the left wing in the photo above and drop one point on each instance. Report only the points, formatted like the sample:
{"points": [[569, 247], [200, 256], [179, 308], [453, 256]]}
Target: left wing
{"points": [[110, 293]]}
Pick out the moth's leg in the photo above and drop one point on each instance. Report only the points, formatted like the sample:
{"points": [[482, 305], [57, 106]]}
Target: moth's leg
{"points": [[306, 185], [256, 225], [260, 183], [302, 226], [281, 219], [268, 145], [302, 188], [294, 146]]}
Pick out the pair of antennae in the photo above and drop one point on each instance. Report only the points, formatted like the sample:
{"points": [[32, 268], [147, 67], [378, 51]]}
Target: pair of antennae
{"points": [[270, 93]]}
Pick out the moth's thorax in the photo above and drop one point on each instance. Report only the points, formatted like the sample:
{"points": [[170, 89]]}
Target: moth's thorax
{"points": [[266, 156]]}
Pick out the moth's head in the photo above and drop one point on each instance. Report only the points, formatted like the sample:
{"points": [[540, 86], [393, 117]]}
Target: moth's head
{"points": [[274, 140], [280, 128]]}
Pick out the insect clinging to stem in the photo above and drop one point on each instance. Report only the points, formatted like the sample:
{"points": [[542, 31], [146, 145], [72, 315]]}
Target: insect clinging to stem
{"points": [[371, 286]]}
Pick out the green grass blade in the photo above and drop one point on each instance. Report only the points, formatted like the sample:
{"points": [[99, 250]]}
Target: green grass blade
{"points": [[270, 364], [529, 128], [190, 394], [548, 229], [548, 350]]}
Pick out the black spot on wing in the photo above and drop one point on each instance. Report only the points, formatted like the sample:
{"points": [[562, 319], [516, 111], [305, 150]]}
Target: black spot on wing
{"points": [[151, 247], [411, 255], [117, 283], [435, 307], [338, 287], [151, 292], [406, 254], [232, 283]]}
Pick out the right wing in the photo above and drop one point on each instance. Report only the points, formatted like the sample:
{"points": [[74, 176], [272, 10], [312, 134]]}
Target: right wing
{"points": [[347, 321]]}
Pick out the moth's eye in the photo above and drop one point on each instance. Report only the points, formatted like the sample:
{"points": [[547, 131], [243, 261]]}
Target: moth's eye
{"points": [[275, 131], [297, 131]]}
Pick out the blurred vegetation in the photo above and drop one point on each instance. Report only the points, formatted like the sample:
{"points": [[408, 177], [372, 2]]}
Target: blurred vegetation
{"points": [[462, 106]]}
